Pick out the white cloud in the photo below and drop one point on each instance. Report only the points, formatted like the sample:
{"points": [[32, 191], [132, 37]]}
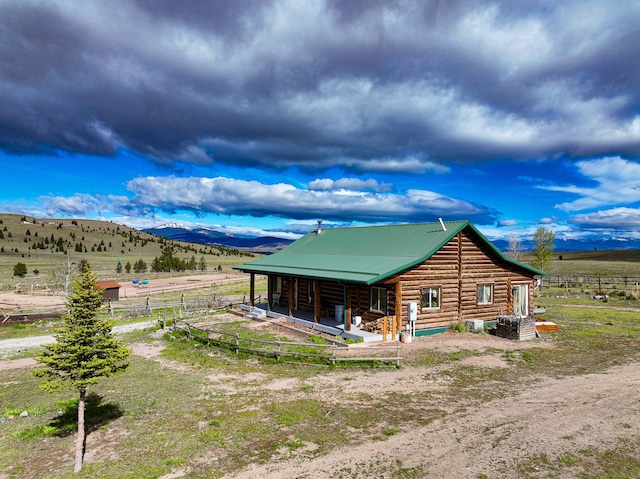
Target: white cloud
{"points": [[354, 184], [618, 183], [615, 219], [251, 198]]}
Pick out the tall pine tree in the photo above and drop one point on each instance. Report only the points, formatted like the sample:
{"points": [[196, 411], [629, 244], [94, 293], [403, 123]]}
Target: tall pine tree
{"points": [[85, 352]]}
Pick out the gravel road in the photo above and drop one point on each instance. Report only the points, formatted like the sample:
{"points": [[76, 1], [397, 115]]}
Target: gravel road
{"points": [[21, 344]]}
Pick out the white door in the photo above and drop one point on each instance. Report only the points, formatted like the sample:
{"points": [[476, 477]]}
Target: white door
{"points": [[520, 293]]}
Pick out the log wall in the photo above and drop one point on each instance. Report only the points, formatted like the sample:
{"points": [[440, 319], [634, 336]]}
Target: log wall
{"points": [[458, 269]]}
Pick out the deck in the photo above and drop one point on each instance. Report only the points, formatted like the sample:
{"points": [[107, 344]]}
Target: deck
{"points": [[327, 325]]}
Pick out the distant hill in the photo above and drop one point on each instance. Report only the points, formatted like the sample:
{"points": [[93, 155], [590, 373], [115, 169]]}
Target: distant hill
{"points": [[579, 245], [43, 243], [207, 236]]}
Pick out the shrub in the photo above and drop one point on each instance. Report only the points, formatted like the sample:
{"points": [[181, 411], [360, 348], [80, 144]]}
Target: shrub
{"points": [[20, 269]]}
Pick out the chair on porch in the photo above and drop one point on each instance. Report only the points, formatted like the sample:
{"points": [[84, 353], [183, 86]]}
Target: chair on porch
{"points": [[276, 298]]}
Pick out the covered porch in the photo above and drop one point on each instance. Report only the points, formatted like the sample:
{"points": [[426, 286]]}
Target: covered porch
{"points": [[326, 324], [340, 305]]}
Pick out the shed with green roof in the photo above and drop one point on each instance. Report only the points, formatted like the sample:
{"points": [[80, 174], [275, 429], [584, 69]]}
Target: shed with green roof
{"points": [[445, 272]]}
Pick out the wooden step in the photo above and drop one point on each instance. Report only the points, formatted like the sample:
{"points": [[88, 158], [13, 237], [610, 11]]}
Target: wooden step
{"points": [[546, 327]]}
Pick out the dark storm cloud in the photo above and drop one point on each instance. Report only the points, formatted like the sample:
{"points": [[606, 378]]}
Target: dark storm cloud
{"points": [[315, 84]]}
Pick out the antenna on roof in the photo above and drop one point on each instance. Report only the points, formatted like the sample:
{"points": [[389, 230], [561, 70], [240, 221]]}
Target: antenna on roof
{"points": [[319, 230], [444, 228]]}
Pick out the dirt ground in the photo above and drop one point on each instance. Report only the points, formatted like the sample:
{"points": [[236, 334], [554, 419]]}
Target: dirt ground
{"points": [[545, 418]]}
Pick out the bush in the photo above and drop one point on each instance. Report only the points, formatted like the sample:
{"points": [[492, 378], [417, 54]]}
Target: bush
{"points": [[20, 269]]}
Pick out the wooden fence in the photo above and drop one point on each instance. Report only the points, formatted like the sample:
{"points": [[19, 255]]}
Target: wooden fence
{"points": [[599, 284], [321, 354]]}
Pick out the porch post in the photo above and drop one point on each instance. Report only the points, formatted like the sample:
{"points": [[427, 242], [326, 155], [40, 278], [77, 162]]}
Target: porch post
{"points": [[348, 306], [291, 296], [252, 287], [317, 311], [270, 292], [399, 306]]}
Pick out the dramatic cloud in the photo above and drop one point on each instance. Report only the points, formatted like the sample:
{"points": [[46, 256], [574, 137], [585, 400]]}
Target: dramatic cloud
{"points": [[619, 219], [238, 197], [618, 182], [369, 86]]}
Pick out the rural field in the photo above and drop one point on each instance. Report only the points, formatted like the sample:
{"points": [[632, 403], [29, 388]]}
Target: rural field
{"points": [[461, 405]]}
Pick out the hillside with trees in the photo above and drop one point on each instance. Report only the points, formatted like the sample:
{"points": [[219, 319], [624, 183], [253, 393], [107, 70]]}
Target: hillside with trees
{"points": [[33, 249]]}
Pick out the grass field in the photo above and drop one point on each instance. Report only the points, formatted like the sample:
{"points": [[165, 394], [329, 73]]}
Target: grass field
{"points": [[212, 412]]}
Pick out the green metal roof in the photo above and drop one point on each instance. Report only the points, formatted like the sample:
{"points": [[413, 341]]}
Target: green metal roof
{"points": [[364, 255]]}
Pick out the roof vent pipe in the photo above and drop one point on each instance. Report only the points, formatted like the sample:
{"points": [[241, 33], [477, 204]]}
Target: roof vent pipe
{"points": [[444, 228], [319, 230]]}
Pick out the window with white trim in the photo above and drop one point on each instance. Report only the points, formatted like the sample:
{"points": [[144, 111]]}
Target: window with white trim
{"points": [[379, 299], [430, 298], [485, 293]]}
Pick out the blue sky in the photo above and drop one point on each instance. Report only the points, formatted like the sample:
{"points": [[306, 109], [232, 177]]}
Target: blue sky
{"points": [[263, 117]]}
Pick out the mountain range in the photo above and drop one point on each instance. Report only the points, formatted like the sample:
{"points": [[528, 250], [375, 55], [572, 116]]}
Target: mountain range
{"points": [[574, 245], [179, 232]]}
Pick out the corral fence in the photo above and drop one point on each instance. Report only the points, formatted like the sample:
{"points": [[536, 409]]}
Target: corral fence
{"points": [[178, 309], [144, 287], [303, 353], [10, 318], [165, 310], [594, 284]]}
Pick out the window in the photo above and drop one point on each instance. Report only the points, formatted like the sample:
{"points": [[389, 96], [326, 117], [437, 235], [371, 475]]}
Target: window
{"points": [[379, 299], [278, 286], [485, 293], [430, 298]]}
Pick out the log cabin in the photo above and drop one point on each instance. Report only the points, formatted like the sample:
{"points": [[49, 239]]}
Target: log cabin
{"points": [[449, 270]]}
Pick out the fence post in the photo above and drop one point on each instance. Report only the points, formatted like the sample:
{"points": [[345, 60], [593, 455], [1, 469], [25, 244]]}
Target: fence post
{"points": [[237, 347], [398, 356], [279, 350], [333, 355]]}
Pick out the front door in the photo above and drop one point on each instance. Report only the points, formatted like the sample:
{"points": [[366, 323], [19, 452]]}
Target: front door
{"points": [[520, 294]]}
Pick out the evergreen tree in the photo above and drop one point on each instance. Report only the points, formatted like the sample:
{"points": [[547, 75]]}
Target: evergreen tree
{"points": [[20, 269], [127, 267], [83, 266], [140, 266], [85, 352]]}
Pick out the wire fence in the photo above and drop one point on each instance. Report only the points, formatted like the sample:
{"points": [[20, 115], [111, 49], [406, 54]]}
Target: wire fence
{"points": [[594, 284], [304, 353]]}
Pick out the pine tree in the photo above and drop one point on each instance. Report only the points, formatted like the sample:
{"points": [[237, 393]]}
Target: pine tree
{"points": [[85, 352]]}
